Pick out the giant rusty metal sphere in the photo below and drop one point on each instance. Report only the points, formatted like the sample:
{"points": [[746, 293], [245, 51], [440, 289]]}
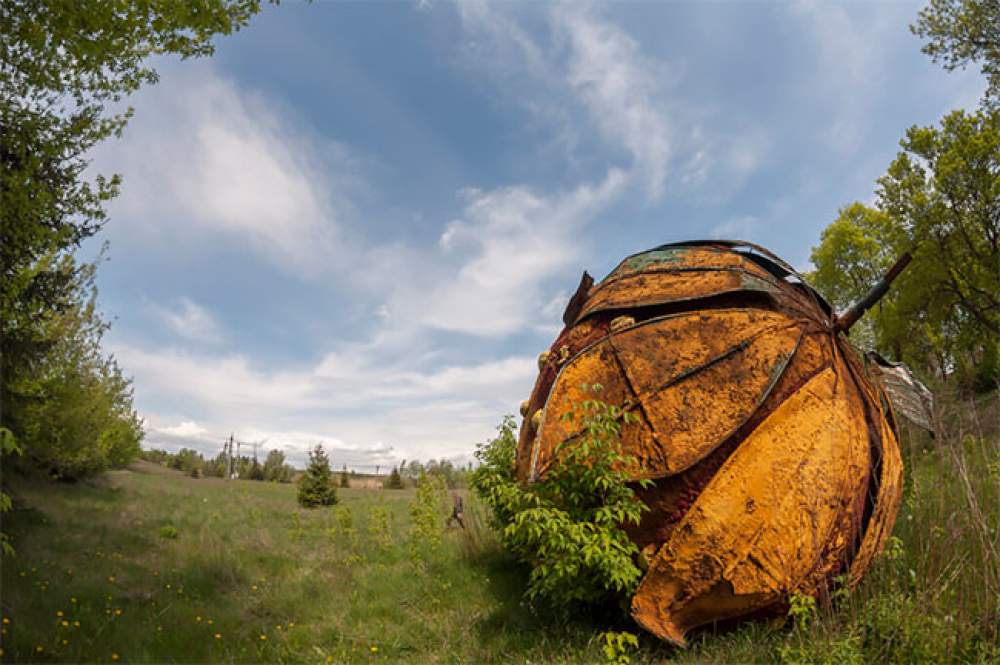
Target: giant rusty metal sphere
{"points": [[771, 448]]}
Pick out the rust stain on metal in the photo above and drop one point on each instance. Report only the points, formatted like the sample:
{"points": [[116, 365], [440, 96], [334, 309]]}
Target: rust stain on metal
{"points": [[770, 443]]}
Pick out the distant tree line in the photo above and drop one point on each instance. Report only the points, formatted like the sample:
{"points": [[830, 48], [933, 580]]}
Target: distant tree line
{"points": [[194, 464], [410, 472]]}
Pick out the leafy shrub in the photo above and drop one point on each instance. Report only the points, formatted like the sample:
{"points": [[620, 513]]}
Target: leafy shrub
{"points": [[380, 526], [316, 486], [169, 531], [618, 647], [72, 414], [567, 526], [427, 515]]}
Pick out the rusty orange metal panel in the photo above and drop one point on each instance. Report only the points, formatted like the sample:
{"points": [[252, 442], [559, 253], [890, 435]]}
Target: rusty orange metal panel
{"points": [[772, 450]]}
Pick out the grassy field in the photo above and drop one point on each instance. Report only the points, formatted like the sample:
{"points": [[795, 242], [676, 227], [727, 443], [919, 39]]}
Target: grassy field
{"points": [[148, 565]]}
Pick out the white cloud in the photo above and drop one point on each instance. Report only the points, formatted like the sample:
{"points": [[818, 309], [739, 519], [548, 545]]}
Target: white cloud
{"points": [[189, 320], [350, 401], [515, 240], [186, 429], [204, 156], [620, 89]]}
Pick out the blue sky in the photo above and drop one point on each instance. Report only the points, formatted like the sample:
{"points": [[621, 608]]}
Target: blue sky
{"points": [[358, 223]]}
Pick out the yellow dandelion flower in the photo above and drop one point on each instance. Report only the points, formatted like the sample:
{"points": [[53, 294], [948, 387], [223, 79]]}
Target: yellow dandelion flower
{"points": [[6, 621], [76, 624], [168, 586], [254, 587], [39, 648], [59, 613], [263, 637], [374, 649], [111, 579], [277, 626], [22, 573], [218, 636], [65, 642], [118, 612], [291, 624], [73, 600], [114, 656], [197, 618], [65, 624], [1, 651], [209, 622]]}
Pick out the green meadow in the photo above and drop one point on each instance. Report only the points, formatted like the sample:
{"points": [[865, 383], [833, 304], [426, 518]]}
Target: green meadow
{"points": [[150, 565]]}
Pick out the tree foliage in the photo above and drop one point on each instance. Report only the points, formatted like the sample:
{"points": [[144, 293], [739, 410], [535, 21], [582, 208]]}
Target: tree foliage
{"points": [[939, 199], [75, 416], [960, 32], [316, 486], [275, 468], [568, 526], [65, 67]]}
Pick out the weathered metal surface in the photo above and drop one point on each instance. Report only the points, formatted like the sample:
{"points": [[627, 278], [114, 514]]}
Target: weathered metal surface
{"points": [[772, 450], [910, 397]]}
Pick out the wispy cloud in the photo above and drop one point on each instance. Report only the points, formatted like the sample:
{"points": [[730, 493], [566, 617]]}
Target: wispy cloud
{"points": [[227, 164], [189, 320]]}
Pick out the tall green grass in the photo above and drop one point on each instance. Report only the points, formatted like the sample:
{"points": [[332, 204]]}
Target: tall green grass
{"points": [[278, 583]]}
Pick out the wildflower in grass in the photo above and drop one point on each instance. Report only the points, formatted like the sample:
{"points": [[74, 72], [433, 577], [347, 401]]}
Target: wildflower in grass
{"points": [[59, 613], [263, 638], [118, 612], [65, 624], [291, 624], [39, 648], [1, 651], [218, 636], [22, 573], [6, 621], [65, 643], [111, 579], [197, 618], [209, 622], [114, 656], [73, 600], [76, 624], [168, 586], [253, 588], [374, 649]]}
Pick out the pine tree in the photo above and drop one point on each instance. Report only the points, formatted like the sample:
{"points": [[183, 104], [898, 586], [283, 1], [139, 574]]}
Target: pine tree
{"points": [[316, 487], [395, 481], [343, 478]]}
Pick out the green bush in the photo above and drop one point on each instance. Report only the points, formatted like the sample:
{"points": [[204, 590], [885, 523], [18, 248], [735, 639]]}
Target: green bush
{"points": [[427, 515], [316, 487], [169, 531], [567, 526], [72, 416]]}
